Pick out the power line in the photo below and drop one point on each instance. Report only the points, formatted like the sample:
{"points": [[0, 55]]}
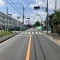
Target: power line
{"points": [[13, 6], [13, 3]]}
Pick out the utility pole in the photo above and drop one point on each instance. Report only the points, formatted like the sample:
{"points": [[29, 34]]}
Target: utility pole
{"points": [[55, 4], [47, 17], [7, 10], [7, 17], [23, 14]]}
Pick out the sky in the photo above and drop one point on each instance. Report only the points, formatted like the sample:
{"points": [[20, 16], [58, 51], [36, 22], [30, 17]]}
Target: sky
{"points": [[29, 9]]}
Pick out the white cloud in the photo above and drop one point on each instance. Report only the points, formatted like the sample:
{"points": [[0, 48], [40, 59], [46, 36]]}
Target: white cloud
{"points": [[38, 3], [22, 2], [33, 17], [2, 3], [15, 16], [41, 3], [51, 3]]}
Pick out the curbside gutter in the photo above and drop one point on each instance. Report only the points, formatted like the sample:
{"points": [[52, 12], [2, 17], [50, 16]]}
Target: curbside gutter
{"points": [[7, 37]]}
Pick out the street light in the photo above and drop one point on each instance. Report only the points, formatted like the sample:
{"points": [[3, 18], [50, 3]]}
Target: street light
{"points": [[39, 16]]}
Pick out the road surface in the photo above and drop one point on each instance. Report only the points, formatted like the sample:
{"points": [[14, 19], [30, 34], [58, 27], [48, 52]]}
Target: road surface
{"points": [[29, 45]]}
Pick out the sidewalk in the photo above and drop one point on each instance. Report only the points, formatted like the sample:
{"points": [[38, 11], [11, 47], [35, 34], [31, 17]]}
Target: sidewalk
{"points": [[54, 36], [7, 37]]}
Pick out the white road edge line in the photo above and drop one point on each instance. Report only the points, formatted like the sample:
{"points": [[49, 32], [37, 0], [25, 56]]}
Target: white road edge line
{"points": [[52, 40]]}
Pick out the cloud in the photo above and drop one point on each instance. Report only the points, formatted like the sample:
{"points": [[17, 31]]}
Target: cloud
{"points": [[33, 17], [52, 4], [15, 16], [42, 3], [22, 2], [2, 3], [38, 3]]}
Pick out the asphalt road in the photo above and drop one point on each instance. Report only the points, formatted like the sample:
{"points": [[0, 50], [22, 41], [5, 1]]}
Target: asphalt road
{"points": [[44, 49], [41, 48], [14, 48]]}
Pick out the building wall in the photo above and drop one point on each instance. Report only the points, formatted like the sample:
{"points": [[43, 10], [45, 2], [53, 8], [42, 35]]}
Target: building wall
{"points": [[8, 22]]}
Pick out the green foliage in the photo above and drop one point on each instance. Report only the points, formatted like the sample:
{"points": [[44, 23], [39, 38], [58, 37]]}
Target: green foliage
{"points": [[37, 23], [4, 33], [56, 18], [55, 21]]}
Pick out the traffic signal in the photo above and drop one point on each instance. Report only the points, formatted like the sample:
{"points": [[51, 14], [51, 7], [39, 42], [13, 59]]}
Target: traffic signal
{"points": [[36, 7]]}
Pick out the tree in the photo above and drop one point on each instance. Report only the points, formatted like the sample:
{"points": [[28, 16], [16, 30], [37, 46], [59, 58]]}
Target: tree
{"points": [[37, 23], [54, 22]]}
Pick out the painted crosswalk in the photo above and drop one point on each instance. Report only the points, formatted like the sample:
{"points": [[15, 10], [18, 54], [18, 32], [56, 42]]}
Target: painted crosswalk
{"points": [[31, 30], [36, 32], [30, 33]]}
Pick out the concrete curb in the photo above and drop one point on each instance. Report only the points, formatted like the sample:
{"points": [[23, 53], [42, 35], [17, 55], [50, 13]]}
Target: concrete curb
{"points": [[7, 37]]}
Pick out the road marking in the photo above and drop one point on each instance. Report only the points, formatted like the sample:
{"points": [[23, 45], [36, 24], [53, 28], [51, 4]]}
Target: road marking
{"points": [[36, 32], [28, 32], [28, 50], [22, 32], [32, 32], [22, 35], [40, 33], [52, 39], [25, 33]]}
